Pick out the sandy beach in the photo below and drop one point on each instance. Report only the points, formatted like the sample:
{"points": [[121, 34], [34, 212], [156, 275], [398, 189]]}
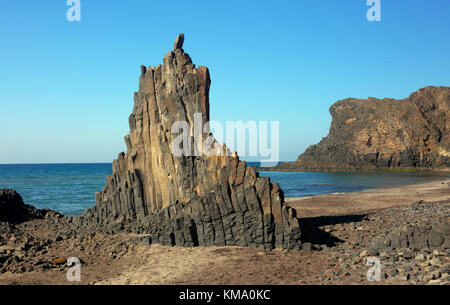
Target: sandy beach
{"points": [[344, 225], [369, 200]]}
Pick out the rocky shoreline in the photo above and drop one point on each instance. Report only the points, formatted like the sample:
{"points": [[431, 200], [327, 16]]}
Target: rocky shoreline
{"points": [[411, 241], [204, 217], [293, 168], [374, 134]]}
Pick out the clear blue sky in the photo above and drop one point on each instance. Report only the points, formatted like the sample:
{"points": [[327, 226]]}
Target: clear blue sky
{"points": [[66, 89]]}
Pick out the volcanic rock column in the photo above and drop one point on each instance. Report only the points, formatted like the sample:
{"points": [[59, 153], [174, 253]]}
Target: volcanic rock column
{"points": [[194, 199]]}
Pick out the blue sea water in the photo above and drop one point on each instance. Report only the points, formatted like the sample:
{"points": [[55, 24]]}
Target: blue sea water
{"points": [[67, 188], [70, 188]]}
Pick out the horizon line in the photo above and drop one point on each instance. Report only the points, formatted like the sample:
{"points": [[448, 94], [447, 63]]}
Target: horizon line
{"points": [[67, 163]]}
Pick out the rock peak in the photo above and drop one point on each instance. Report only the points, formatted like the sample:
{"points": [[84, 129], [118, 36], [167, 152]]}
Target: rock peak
{"points": [[187, 200], [179, 42]]}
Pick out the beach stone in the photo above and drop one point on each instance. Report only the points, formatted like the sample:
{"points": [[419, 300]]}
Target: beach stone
{"points": [[445, 268], [394, 272], [394, 258], [307, 246], [407, 254], [408, 266], [436, 262], [417, 237], [435, 274], [146, 241], [426, 278], [372, 252], [59, 261], [418, 206], [419, 257]]}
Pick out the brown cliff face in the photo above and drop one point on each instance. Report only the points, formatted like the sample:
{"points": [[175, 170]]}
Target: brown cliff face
{"points": [[413, 133], [187, 200]]}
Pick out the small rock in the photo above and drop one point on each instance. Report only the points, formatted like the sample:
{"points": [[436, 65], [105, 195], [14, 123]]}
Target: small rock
{"points": [[372, 252], [407, 255], [445, 268], [59, 261], [408, 266], [307, 246], [427, 278], [439, 253], [435, 275], [394, 272], [419, 257], [146, 241], [394, 258], [436, 262]]}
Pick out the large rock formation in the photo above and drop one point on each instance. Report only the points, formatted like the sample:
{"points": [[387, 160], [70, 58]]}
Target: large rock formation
{"points": [[187, 200], [412, 133], [14, 210]]}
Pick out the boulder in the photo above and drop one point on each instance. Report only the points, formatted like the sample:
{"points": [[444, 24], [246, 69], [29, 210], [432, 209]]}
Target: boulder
{"points": [[14, 210]]}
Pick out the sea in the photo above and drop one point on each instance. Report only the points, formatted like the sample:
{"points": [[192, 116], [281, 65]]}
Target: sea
{"points": [[70, 188]]}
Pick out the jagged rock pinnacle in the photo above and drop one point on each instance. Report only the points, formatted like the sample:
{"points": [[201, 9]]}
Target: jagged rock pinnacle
{"points": [[179, 42], [186, 200]]}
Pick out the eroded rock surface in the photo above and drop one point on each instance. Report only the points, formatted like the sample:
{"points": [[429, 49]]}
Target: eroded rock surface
{"points": [[14, 210], [433, 234], [193, 200], [384, 134]]}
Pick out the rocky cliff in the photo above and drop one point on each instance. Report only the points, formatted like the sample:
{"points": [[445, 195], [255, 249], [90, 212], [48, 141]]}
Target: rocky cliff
{"points": [[413, 133], [189, 200]]}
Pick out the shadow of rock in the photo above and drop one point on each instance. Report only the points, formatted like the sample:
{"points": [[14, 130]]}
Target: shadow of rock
{"points": [[311, 232]]}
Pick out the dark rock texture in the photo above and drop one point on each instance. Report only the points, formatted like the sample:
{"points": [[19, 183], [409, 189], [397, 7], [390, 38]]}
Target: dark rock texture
{"points": [[412, 133], [206, 200], [430, 236], [14, 210], [434, 234]]}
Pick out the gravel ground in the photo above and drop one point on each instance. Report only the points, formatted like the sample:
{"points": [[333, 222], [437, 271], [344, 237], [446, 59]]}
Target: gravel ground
{"points": [[410, 240]]}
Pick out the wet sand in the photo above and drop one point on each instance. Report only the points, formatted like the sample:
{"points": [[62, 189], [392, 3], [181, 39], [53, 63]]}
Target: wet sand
{"points": [[369, 200]]}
